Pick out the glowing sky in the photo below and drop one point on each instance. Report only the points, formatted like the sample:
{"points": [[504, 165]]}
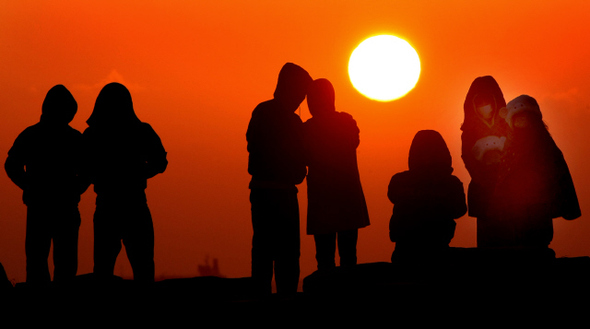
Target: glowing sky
{"points": [[196, 70]]}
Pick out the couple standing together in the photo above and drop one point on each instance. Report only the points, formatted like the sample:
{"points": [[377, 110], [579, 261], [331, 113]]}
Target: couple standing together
{"points": [[54, 164], [282, 152]]}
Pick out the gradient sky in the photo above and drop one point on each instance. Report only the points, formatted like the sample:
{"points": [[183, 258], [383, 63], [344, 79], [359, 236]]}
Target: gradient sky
{"points": [[197, 69]]}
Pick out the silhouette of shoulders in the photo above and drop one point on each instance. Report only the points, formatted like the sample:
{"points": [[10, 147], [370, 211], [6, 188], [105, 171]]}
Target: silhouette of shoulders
{"points": [[427, 198], [49, 150]]}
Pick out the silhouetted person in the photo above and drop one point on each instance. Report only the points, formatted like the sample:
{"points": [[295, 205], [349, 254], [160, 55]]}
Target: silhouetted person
{"points": [[427, 199], [276, 164], [483, 138], [121, 153], [45, 163], [534, 184], [336, 203]]}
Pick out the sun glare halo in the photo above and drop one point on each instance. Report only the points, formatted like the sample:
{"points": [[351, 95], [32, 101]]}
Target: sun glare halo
{"points": [[384, 68]]}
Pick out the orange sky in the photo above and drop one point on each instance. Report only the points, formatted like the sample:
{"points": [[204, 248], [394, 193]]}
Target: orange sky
{"points": [[196, 70]]}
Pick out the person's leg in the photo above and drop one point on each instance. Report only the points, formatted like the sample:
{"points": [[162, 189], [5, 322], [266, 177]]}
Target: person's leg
{"points": [[262, 238], [138, 239], [325, 246], [287, 242], [107, 240], [347, 241], [65, 244], [37, 245]]}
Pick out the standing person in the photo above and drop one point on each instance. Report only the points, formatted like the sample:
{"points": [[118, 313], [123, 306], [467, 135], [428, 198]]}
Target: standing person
{"points": [[483, 137], [121, 153], [336, 203], [44, 162], [427, 199], [276, 164], [534, 185]]}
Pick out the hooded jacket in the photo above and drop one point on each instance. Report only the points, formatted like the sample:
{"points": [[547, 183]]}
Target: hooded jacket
{"points": [[427, 198], [44, 160], [120, 151], [274, 135], [482, 142], [533, 184], [534, 172], [336, 201]]}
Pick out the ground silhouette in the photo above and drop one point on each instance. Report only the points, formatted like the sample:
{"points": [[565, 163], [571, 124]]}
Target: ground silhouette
{"points": [[493, 284]]}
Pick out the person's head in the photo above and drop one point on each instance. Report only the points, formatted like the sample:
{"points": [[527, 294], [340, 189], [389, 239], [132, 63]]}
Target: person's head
{"points": [[522, 112], [292, 86], [321, 97], [429, 153], [59, 106], [485, 106], [113, 106], [482, 103]]}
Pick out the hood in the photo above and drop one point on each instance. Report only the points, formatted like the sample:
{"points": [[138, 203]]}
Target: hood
{"points": [[483, 89], [429, 153], [321, 97], [521, 104], [113, 107], [292, 85], [59, 106]]}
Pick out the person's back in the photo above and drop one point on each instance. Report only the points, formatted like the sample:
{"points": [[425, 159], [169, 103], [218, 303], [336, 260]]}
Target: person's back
{"points": [[424, 213], [427, 198], [122, 159], [49, 153], [275, 161], [120, 154], [274, 134], [275, 147], [45, 163], [534, 185]]}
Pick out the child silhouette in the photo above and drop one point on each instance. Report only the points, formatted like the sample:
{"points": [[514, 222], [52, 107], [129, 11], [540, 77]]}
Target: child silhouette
{"points": [[427, 199]]}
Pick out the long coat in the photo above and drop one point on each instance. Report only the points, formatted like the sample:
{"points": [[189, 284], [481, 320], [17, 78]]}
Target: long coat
{"points": [[476, 131], [534, 183], [335, 196]]}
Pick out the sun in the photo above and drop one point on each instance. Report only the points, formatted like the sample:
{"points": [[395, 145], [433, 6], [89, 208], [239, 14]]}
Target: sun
{"points": [[384, 68]]}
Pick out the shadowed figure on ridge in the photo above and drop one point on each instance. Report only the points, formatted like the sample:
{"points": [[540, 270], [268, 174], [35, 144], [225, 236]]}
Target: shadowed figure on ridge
{"points": [[336, 203], [275, 146], [120, 154], [427, 199], [534, 184], [45, 163], [483, 138]]}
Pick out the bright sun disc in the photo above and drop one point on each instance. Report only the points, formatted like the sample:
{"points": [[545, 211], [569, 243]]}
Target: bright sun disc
{"points": [[384, 68]]}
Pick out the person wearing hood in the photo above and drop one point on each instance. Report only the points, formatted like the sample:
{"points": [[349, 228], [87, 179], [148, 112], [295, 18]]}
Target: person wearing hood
{"points": [[534, 183], [275, 147], [483, 137], [427, 199], [336, 203], [120, 154], [45, 163]]}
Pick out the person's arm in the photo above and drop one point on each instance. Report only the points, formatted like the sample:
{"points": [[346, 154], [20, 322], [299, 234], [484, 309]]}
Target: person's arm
{"points": [[15, 163], [457, 199], [156, 162], [15, 169]]}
